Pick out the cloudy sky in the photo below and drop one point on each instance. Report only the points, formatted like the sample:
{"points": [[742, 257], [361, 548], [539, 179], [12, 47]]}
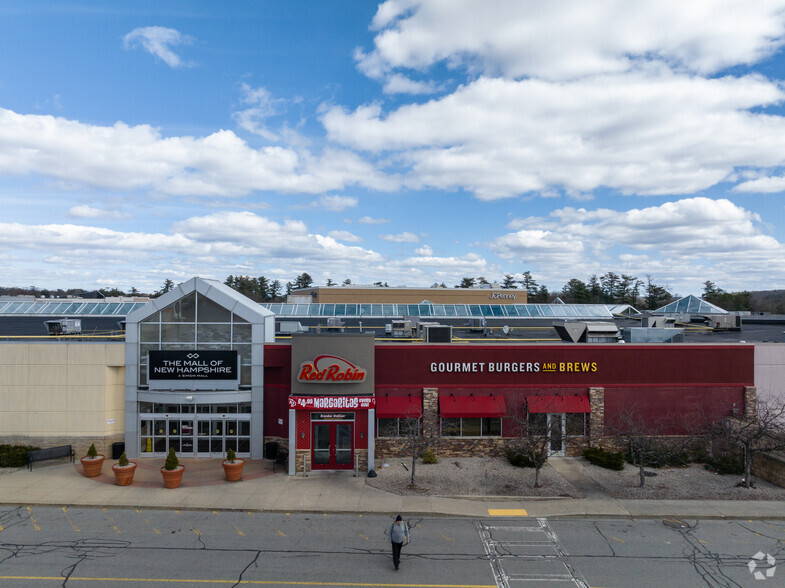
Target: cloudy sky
{"points": [[412, 142]]}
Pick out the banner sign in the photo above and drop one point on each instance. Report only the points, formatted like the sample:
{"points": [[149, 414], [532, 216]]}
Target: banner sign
{"points": [[336, 402], [330, 369], [193, 365]]}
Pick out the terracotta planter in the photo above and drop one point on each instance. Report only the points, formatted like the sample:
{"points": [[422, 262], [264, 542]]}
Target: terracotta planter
{"points": [[172, 478], [233, 470], [92, 465], [124, 475]]}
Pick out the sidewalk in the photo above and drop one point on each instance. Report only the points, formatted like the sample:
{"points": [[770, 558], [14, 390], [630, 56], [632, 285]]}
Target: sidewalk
{"points": [[62, 484]]}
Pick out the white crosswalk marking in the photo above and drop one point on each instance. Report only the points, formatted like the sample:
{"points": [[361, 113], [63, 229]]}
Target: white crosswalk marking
{"points": [[525, 554]]}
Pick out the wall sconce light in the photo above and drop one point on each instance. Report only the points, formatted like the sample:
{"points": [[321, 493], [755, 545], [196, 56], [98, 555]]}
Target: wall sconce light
{"points": [[302, 435], [362, 435]]}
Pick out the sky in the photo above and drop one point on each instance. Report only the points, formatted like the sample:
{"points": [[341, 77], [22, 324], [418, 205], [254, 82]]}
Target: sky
{"points": [[411, 142]]}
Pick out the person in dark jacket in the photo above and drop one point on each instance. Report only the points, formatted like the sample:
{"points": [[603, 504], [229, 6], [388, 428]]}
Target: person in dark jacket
{"points": [[399, 536]]}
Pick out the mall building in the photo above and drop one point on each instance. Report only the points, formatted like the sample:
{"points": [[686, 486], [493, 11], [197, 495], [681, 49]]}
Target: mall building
{"points": [[199, 370]]}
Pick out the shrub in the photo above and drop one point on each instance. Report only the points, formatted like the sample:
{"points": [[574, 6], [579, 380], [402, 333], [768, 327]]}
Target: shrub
{"points": [[171, 460], [14, 456], [123, 460], [609, 460], [659, 455], [91, 453], [230, 455], [725, 465], [519, 459], [428, 456]]}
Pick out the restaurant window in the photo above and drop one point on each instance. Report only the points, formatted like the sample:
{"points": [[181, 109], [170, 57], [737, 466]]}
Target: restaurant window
{"points": [[396, 427], [472, 427], [576, 424]]}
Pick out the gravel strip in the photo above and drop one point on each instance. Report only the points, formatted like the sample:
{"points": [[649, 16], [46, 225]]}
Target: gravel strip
{"points": [[693, 482], [469, 476]]}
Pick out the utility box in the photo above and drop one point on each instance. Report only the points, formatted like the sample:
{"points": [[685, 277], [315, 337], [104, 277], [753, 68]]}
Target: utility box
{"points": [[437, 334]]}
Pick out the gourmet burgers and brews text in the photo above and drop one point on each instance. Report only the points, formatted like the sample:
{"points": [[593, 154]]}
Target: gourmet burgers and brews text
{"points": [[330, 369]]}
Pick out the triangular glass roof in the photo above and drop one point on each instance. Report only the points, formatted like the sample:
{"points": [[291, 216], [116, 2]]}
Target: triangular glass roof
{"points": [[690, 305]]}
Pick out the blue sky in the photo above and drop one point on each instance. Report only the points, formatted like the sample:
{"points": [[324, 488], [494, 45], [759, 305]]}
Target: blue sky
{"points": [[412, 142]]}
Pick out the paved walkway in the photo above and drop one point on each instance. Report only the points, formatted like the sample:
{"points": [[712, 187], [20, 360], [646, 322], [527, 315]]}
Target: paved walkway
{"points": [[62, 484]]}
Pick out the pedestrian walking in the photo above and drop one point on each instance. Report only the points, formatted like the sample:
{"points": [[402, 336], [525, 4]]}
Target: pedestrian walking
{"points": [[399, 536]]}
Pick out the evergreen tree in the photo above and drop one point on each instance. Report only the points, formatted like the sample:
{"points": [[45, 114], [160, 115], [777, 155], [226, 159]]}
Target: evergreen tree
{"points": [[509, 282]]}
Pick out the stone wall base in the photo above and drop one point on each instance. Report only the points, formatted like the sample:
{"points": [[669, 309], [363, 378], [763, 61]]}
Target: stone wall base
{"points": [[447, 447], [80, 445], [770, 467]]}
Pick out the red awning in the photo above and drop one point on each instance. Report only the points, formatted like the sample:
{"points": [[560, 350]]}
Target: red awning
{"points": [[558, 404], [471, 406], [392, 407]]}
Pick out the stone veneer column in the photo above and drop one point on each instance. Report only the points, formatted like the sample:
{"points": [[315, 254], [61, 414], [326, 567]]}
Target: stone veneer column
{"points": [[750, 402], [596, 416], [430, 413]]}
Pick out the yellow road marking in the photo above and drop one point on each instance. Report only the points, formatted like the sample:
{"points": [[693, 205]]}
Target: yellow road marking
{"points": [[445, 537], [111, 520], [615, 539], [281, 533], [363, 536], [251, 582], [35, 523], [76, 529], [507, 512], [149, 524], [701, 541], [239, 532]]}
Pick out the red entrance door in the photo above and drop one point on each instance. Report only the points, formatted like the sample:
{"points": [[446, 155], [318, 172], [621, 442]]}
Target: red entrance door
{"points": [[332, 446]]}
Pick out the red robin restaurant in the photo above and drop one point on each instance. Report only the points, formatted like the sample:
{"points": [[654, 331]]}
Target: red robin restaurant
{"points": [[340, 401]]}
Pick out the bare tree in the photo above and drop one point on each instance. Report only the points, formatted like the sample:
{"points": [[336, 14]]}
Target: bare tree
{"points": [[643, 442], [535, 433], [760, 432], [417, 432]]}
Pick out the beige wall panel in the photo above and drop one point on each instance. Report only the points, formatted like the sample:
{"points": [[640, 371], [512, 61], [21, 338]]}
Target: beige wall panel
{"points": [[115, 376], [86, 423], [86, 354], [115, 354], [87, 375], [47, 375], [13, 423], [48, 354], [12, 399], [48, 424], [13, 375], [119, 422], [86, 398], [770, 371], [47, 398], [13, 354]]}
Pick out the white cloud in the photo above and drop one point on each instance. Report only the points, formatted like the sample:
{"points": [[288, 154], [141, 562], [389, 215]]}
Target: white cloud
{"points": [[651, 131], [424, 251], [86, 211], [765, 185], [158, 41], [122, 157], [404, 237], [368, 220], [337, 203], [261, 106], [344, 236], [563, 39], [400, 84], [691, 240]]}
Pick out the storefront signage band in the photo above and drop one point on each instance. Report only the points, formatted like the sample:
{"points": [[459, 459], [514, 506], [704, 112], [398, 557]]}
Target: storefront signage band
{"points": [[192, 365], [330, 369], [332, 402], [512, 367]]}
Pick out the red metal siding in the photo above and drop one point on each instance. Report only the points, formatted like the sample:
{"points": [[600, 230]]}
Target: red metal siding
{"points": [[361, 427], [303, 418], [599, 365], [276, 406]]}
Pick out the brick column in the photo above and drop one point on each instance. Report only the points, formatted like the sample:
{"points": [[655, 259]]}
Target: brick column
{"points": [[430, 413], [597, 416], [750, 402]]}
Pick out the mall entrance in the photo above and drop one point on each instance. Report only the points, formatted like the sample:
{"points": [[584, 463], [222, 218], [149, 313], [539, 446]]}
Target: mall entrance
{"points": [[333, 446], [195, 430]]}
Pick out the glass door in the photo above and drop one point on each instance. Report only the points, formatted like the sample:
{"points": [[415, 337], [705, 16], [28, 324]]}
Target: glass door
{"points": [[157, 435], [556, 439], [333, 448]]}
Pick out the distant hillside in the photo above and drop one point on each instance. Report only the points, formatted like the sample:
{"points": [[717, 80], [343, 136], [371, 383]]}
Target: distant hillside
{"points": [[772, 301]]}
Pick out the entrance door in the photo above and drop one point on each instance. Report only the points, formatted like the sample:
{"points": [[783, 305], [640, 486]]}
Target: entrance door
{"points": [[556, 437], [160, 433], [332, 446]]}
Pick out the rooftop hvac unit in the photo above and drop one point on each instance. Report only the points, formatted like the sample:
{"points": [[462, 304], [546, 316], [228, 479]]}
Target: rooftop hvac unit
{"points": [[437, 334], [401, 328], [64, 326], [335, 325], [289, 327]]}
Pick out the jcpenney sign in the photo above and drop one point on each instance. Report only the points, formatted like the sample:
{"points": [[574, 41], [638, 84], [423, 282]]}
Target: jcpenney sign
{"points": [[503, 296]]}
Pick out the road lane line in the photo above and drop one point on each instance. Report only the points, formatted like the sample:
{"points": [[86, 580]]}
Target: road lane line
{"points": [[35, 523], [149, 524], [65, 512], [250, 582], [111, 520]]}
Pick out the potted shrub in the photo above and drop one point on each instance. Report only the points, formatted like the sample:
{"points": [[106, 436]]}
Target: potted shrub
{"points": [[92, 463], [233, 467], [172, 471], [124, 471]]}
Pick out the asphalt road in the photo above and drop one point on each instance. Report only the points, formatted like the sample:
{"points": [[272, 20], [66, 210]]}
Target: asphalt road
{"points": [[81, 547]]}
